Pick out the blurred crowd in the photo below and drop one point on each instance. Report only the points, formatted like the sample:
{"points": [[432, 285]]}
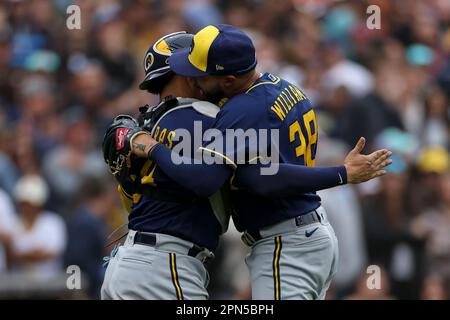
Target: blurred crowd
{"points": [[59, 88]]}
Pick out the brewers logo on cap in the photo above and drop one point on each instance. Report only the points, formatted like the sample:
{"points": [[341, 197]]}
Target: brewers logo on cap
{"points": [[162, 47], [148, 61]]}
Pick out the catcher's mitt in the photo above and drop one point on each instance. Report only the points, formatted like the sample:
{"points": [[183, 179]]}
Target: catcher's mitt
{"points": [[116, 145]]}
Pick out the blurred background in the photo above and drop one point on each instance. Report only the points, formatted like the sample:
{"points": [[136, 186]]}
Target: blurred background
{"points": [[59, 88]]}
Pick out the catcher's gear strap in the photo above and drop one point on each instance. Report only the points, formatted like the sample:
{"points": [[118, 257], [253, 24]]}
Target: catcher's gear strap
{"points": [[206, 108], [151, 116], [149, 119]]}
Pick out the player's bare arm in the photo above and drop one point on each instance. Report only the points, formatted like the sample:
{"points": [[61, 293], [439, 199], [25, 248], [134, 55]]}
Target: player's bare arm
{"points": [[142, 143]]}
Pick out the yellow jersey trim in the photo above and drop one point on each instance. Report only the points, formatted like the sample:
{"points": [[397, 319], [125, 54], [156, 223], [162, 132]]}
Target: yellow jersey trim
{"points": [[220, 154], [261, 83]]}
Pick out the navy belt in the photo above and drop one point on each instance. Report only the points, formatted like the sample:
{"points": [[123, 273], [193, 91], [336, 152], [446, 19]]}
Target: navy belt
{"points": [[149, 239]]}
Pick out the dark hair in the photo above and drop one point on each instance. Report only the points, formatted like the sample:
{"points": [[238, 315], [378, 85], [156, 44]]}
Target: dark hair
{"points": [[156, 86], [245, 74]]}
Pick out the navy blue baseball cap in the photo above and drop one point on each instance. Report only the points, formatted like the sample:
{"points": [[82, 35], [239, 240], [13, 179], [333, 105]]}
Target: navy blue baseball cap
{"points": [[215, 50]]}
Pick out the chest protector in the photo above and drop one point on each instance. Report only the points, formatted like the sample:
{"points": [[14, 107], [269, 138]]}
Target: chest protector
{"points": [[149, 118]]}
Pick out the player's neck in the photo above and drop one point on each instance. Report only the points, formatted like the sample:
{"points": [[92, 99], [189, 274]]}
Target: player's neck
{"points": [[246, 83], [176, 87]]}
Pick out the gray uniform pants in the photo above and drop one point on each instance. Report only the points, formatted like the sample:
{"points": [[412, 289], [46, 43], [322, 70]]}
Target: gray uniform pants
{"points": [[291, 262], [162, 272]]}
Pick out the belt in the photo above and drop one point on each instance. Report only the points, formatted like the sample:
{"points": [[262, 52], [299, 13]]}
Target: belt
{"points": [[150, 239], [249, 237]]}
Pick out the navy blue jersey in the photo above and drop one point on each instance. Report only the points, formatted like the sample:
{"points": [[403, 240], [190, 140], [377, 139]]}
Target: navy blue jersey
{"points": [[270, 103], [193, 222]]}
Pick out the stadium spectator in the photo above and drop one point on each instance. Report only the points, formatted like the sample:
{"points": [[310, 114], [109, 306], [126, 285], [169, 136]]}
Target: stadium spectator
{"points": [[87, 231], [68, 164], [8, 226], [40, 238], [433, 225]]}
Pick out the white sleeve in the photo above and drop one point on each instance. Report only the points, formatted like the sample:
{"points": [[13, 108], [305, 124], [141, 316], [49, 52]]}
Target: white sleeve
{"points": [[55, 233], [8, 218]]}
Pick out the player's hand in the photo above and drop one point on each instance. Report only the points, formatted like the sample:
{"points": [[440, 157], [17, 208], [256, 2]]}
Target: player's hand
{"points": [[361, 168], [141, 143]]}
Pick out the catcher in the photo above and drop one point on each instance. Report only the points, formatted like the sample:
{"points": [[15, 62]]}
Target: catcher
{"points": [[172, 232]]}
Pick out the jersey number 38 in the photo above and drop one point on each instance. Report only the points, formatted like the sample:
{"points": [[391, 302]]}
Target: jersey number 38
{"points": [[306, 133]]}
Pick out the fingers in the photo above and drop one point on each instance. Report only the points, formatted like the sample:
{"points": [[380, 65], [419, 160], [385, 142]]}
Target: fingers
{"points": [[368, 176], [385, 163], [368, 166], [378, 173], [382, 160], [374, 156], [359, 145]]}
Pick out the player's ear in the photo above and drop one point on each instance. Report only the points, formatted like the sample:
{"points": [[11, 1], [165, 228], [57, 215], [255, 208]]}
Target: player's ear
{"points": [[228, 81], [190, 82], [193, 88]]}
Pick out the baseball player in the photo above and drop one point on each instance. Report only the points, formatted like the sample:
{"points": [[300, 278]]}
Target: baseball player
{"points": [[172, 232], [293, 247]]}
